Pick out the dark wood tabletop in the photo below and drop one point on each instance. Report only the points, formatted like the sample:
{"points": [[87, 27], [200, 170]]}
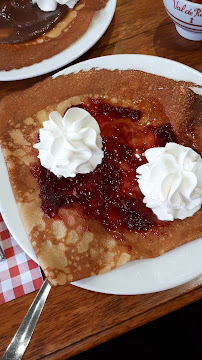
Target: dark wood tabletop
{"points": [[73, 319]]}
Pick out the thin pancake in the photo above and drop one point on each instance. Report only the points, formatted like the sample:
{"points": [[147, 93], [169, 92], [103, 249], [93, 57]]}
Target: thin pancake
{"points": [[73, 245], [65, 33]]}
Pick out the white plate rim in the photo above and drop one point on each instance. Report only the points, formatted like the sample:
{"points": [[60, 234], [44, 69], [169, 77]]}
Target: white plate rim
{"points": [[97, 28], [158, 281]]}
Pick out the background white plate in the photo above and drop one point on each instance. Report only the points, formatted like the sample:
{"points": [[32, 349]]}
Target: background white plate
{"points": [[137, 277], [97, 28]]}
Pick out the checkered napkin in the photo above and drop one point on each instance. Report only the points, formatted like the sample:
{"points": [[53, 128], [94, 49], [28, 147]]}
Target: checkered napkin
{"points": [[19, 275]]}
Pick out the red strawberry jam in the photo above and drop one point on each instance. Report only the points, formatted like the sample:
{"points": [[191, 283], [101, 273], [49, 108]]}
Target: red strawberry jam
{"points": [[109, 194]]}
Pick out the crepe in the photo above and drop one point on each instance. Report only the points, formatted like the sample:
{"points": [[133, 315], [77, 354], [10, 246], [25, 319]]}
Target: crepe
{"points": [[74, 245], [65, 33]]}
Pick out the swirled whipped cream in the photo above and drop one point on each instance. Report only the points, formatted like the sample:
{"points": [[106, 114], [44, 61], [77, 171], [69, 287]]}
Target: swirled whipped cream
{"points": [[51, 5], [71, 144], [171, 181]]}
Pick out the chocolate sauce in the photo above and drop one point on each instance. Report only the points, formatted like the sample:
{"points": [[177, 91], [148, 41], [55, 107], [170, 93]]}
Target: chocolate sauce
{"points": [[20, 20], [109, 194]]}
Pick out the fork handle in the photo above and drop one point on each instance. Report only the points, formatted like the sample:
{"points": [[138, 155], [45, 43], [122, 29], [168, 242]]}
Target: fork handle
{"points": [[21, 339], [2, 255]]}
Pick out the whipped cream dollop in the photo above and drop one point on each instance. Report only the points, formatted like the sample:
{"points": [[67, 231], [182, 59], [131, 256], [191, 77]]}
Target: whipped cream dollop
{"points": [[71, 144], [51, 5], [171, 181]]}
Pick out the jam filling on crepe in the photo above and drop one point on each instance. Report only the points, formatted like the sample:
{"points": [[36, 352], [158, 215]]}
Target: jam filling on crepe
{"points": [[109, 194], [90, 223], [20, 20]]}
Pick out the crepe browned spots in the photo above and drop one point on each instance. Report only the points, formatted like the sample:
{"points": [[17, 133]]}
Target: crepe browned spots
{"points": [[73, 244]]}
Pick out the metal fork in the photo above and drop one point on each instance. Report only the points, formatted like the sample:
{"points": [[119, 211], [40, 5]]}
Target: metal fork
{"points": [[21, 339], [2, 255]]}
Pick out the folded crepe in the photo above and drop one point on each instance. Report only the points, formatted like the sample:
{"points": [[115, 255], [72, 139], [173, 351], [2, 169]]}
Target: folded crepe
{"points": [[52, 42], [74, 244]]}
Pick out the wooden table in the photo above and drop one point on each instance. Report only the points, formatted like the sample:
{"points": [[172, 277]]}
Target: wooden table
{"points": [[73, 319]]}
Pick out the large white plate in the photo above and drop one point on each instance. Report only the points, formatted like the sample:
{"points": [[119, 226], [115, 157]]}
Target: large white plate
{"points": [[99, 25], [137, 277]]}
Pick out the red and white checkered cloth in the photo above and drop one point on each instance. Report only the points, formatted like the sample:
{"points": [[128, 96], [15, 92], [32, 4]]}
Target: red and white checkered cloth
{"points": [[19, 275]]}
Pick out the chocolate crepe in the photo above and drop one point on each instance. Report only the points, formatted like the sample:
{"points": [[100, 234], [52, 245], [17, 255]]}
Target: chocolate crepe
{"points": [[65, 33]]}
